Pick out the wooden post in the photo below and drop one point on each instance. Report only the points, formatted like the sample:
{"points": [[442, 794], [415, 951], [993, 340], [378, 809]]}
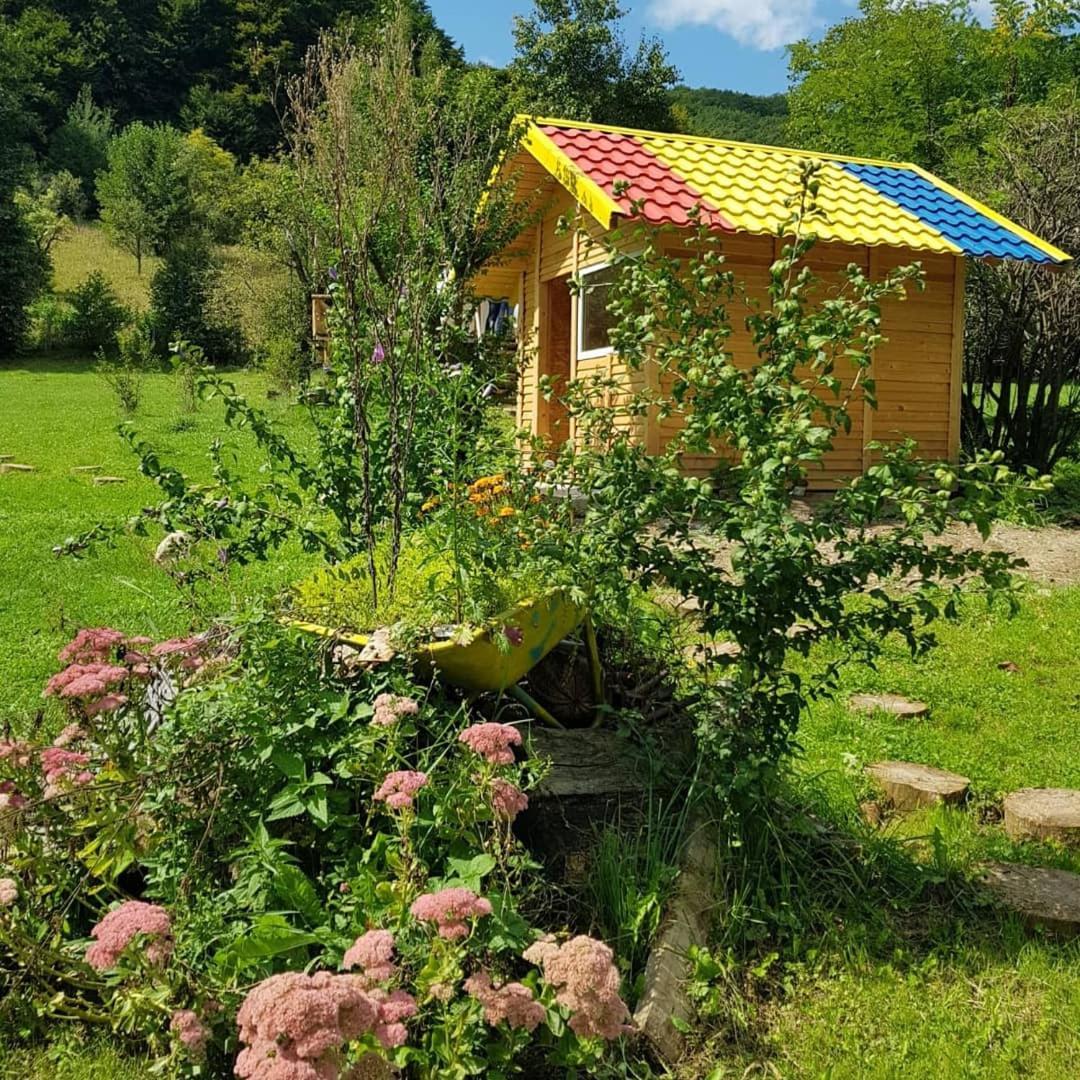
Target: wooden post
{"points": [[873, 270], [956, 361], [538, 320]]}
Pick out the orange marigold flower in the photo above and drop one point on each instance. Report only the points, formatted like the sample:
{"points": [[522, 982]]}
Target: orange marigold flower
{"points": [[507, 511]]}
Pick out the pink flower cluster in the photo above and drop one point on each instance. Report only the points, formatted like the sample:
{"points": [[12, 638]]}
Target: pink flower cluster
{"points": [[390, 708], [91, 685], [449, 909], [71, 733], [9, 891], [513, 1003], [188, 651], [18, 751], [398, 788], [191, 1031], [507, 800], [63, 770], [492, 742], [586, 982], [121, 925], [94, 645], [294, 1024], [373, 953]]}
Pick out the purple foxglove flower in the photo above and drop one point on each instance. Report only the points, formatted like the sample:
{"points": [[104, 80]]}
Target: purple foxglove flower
{"points": [[378, 354]]}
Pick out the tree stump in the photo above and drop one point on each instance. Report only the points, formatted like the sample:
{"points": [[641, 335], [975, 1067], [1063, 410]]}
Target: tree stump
{"points": [[1043, 814], [889, 703], [908, 786], [1043, 897]]}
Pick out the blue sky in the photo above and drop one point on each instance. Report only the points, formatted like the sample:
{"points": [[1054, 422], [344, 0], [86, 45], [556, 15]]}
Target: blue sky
{"points": [[730, 44]]}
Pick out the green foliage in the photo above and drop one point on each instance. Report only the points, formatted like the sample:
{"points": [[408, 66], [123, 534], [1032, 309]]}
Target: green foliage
{"points": [[211, 177], [50, 319], [97, 315], [124, 373], [725, 114], [186, 302], [571, 61], [40, 206], [80, 145], [145, 198]]}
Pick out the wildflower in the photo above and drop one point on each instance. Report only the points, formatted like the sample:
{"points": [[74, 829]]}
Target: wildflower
{"points": [[18, 751], [9, 891], [394, 1008], [441, 991], [62, 769], [85, 681], [492, 742], [378, 354], [121, 925], [294, 1024], [513, 1003], [398, 788], [374, 953], [191, 1031], [586, 982], [389, 708], [10, 799], [514, 634], [449, 909], [507, 800], [92, 646], [506, 511], [71, 733], [430, 504]]}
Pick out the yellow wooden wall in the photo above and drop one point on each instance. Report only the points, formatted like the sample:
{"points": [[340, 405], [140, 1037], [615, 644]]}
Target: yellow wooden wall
{"points": [[917, 371]]}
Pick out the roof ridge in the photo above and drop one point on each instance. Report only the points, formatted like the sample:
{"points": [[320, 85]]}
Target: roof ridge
{"points": [[584, 125]]}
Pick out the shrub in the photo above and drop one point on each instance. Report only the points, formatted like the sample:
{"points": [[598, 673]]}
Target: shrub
{"points": [[285, 363], [217, 865], [97, 315], [123, 374], [50, 322], [184, 302], [24, 271]]}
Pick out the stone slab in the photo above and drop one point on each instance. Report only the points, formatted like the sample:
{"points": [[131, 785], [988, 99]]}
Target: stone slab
{"points": [[1043, 814], [13, 467], [908, 785], [889, 703], [110, 479], [1044, 897]]}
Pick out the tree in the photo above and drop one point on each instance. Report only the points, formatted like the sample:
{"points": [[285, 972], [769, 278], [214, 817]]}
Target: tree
{"points": [[1022, 347], [212, 178], [145, 198], [725, 114], [80, 145], [571, 61]]}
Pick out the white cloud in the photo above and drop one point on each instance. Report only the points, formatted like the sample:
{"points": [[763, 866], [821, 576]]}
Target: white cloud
{"points": [[762, 24]]}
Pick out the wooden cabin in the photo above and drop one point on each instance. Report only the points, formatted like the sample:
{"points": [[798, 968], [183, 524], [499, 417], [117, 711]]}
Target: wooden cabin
{"points": [[878, 214]]}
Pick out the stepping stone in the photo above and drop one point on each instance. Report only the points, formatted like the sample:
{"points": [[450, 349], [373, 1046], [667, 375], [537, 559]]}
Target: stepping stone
{"points": [[1043, 814], [890, 703], [87, 468], [11, 467], [908, 786], [110, 479], [1044, 897]]}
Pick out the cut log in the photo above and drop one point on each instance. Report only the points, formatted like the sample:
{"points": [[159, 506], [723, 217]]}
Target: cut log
{"points": [[908, 786], [890, 703], [12, 467], [1045, 898], [587, 762], [1043, 814], [664, 1001]]}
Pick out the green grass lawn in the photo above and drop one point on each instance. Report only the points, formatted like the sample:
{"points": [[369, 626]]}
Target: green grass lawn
{"points": [[56, 415]]}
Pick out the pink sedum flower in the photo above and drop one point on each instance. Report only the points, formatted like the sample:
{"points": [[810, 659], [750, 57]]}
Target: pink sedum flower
{"points": [[121, 925], [9, 891], [507, 800], [373, 952], [398, 788], [16, 751], [586, 982], [191, 1032], [92, 646], [294, 1025], [10, 797], [390, 708], [492, 742], [71, 733], [512, 1003], [449, 909], [63, 769], [85, 681]]}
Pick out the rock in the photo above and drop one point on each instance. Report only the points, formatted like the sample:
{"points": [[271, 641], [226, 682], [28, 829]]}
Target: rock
{"points": [[1009, 666], [908, 786], [664, 1002], [87, 468], [11, 467], [110, 480], [1044, 897], [890, 703], [1043, 814], [173, 546]]}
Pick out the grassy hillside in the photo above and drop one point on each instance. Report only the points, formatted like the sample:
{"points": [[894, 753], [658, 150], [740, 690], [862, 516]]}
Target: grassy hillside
{"points": [[726, 114]]}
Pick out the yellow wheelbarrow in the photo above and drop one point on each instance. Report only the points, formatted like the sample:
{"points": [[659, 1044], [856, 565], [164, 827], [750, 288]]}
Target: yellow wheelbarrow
{"points": [[531, 629]]}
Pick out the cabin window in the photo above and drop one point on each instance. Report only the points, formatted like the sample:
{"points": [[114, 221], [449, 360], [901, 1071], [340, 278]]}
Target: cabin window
{"points": [[594, 319]]}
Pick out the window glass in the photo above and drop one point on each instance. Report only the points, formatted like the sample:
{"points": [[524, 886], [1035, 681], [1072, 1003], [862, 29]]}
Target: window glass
{"points": [[596, 320]]}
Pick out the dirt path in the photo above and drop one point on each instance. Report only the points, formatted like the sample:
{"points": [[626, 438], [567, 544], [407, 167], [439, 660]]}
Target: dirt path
{"points": [[1052, 553]]}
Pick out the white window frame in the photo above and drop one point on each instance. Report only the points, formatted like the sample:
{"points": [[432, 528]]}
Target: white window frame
{"points": [[582, 352]]}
